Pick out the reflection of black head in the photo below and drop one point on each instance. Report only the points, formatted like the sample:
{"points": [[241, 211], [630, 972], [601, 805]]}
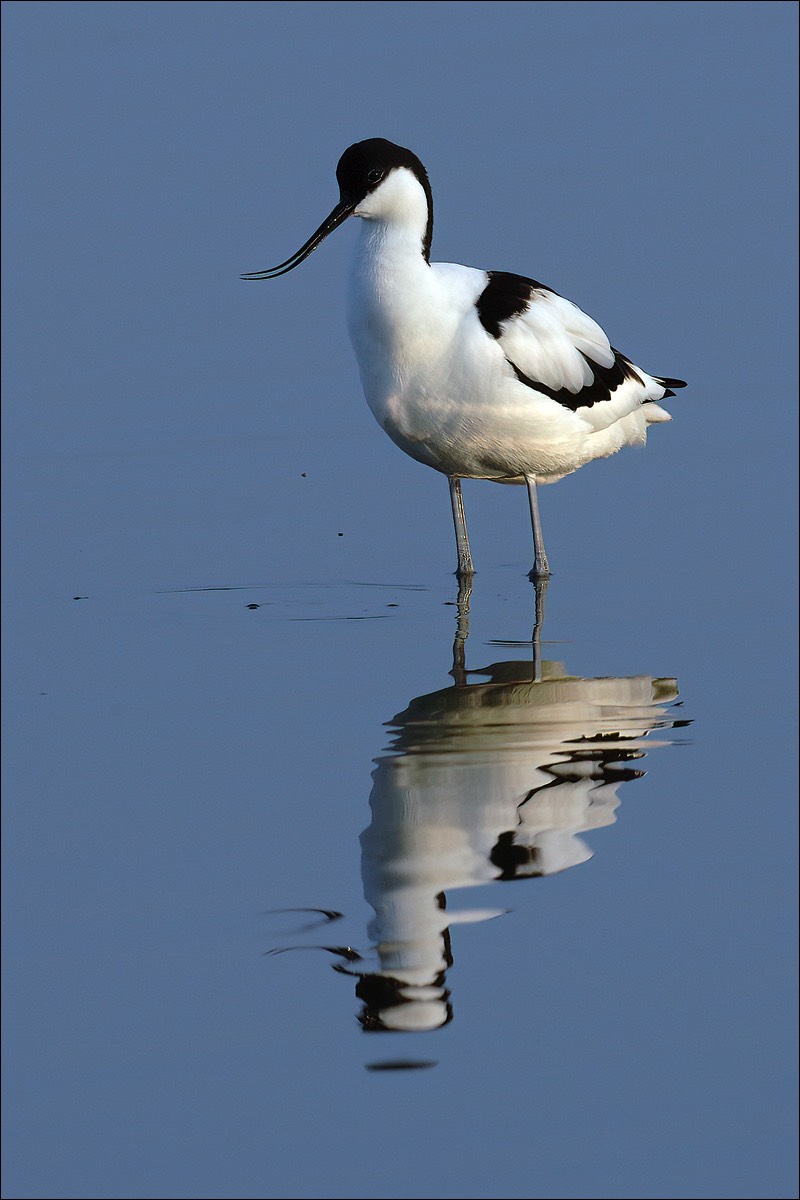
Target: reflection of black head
{"points": [[515, 861], [384, 995]]}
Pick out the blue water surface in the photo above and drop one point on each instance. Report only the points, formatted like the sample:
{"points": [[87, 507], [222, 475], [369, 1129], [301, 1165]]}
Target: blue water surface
{"points": [[319, 882]]}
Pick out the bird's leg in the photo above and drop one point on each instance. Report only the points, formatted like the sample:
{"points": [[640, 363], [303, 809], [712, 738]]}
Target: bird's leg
{"points": [[465, 566], [540, 591], [459, 671], [541, 567]]}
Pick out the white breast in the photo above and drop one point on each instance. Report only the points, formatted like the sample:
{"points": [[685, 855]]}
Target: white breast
{"points": [[435, 381]]}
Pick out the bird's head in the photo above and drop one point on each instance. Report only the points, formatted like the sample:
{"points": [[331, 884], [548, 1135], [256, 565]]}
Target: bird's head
{"points": [[378, 181]]}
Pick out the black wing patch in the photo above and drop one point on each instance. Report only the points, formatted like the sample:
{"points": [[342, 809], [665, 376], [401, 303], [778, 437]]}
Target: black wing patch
{"points": [[606, 380], [506, 295]]}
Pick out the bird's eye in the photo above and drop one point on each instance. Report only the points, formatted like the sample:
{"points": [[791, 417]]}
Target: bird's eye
{"points": [[375, 176]]}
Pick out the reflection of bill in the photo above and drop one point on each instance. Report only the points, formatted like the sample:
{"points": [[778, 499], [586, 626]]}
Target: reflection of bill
{"points": [[482, 782]]}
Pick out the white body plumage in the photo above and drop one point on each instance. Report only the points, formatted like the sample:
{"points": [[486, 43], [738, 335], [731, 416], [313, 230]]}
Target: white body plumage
{"points": [[444, 389]]}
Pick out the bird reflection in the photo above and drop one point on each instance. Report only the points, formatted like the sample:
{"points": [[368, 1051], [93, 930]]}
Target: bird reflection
{"points": [[494, 778]]}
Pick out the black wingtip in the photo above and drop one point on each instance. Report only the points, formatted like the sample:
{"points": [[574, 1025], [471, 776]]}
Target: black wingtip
{"points": [[672, 383]]}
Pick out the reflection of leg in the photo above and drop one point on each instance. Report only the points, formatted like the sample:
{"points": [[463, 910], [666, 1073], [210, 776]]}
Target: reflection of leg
{"points": [[459, 671], [541, 567], [539, 594], [465, 566]]}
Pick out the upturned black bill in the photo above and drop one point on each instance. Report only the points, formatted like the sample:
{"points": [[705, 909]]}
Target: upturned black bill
{"points": [[331, 222]]}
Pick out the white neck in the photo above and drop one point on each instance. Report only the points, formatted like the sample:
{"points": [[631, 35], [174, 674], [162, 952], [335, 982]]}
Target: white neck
{"points": [[400, 207], [391, 295]]}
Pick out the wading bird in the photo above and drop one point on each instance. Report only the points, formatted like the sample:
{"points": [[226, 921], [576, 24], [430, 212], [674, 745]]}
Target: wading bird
{"points": [[478, 374]]}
